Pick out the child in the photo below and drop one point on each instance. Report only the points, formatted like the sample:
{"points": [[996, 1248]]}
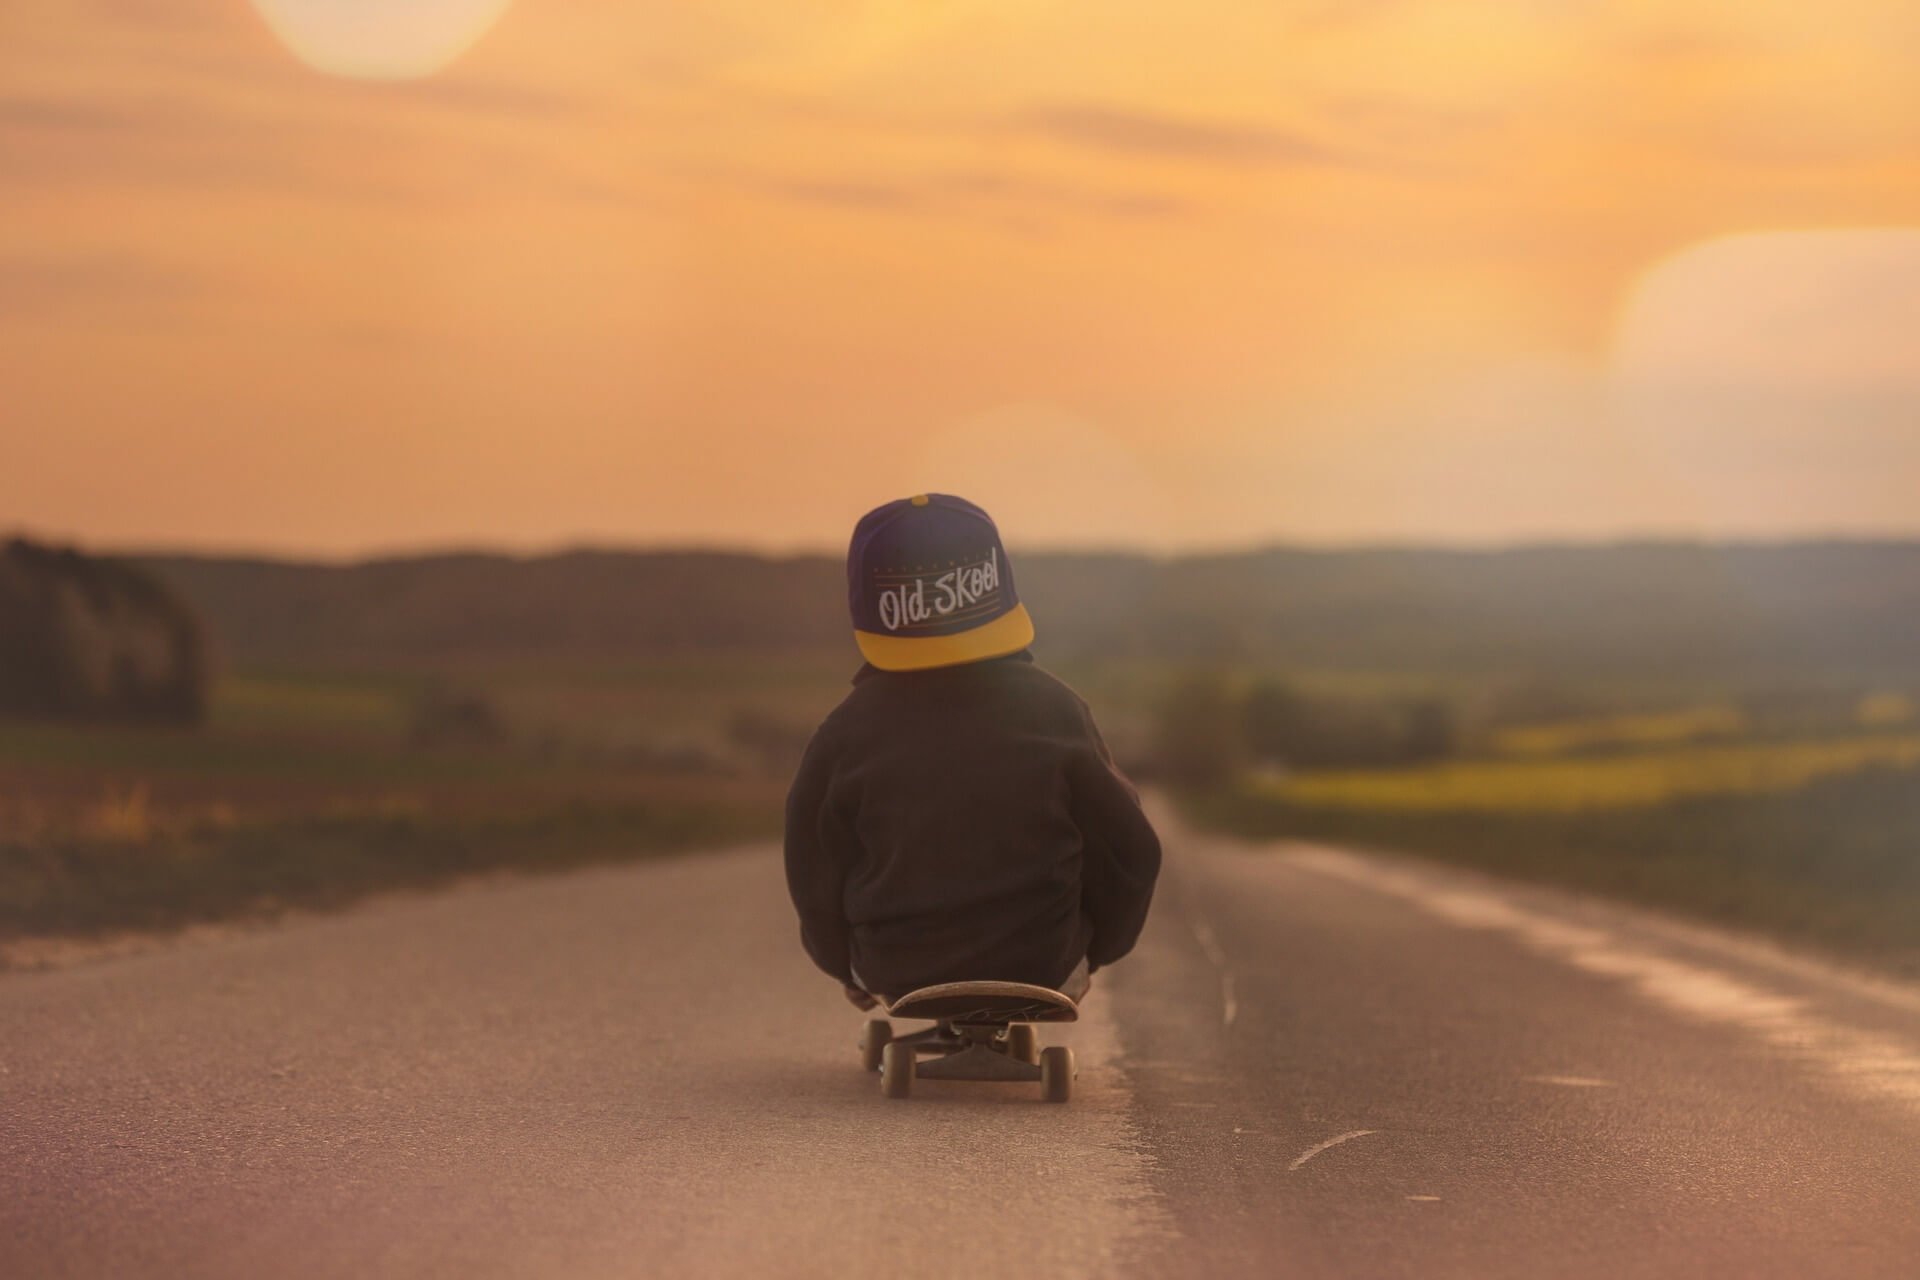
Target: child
{"points": [[958, 817]]}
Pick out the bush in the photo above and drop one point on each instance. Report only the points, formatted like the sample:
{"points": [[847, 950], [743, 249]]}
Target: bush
{"points": [[774, 745], [1282, 727], [443, 717], [1198, 738]]}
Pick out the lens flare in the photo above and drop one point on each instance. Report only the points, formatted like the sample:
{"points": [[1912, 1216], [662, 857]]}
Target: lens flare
{"points": [[380, 39], [1778, 375], [1839, 307]]}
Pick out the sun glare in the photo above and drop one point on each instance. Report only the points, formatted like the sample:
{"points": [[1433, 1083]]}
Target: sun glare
{"points": [[1778, 374], [1835, 307], [380, 39]]}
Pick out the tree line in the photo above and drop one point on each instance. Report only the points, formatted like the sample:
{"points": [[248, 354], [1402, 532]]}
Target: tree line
{"points": [[84, 637], [1206, 730]]}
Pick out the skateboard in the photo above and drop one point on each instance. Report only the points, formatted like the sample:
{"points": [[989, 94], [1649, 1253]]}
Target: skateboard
{"points": [[980, 1031]]}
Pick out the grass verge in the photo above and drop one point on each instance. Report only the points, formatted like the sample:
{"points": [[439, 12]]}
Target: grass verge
{"points": [[175, 878], [1834, 864]]}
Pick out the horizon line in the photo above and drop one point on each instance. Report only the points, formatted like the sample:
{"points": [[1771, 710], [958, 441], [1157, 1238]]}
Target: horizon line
{"points": [[696, 547]]}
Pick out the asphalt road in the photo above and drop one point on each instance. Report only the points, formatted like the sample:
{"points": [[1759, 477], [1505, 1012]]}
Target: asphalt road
{"points": [[1316, 1064]]}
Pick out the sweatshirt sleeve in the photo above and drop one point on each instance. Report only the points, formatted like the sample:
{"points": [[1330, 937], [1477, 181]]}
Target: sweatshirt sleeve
{"points": [[1121, 850], [817, 852]]}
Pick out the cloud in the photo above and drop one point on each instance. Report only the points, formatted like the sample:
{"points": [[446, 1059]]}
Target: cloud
{"points": [[55, 115], [34, 287], [995, 185], [1115, 129], [842, 193], [956, 192], [1398, 122], [332, 139], [275, 104], [177, 15], [480, 96], [1690, 44], [1107, 128]]}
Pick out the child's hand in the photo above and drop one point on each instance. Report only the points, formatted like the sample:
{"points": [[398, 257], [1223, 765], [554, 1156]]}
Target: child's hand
{"points": [[858, 998]]}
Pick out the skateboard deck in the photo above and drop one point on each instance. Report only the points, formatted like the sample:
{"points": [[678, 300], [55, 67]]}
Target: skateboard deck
{"points": [[986, 1003]]}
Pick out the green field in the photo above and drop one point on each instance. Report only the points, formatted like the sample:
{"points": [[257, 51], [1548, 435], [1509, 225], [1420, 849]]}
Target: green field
{"points": [[1572, 784], [314, 788], [1793, 810], [1694, 809]]}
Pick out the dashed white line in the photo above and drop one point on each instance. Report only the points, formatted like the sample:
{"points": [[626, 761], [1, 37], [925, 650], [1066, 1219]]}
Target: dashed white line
{"points": [[1229, 997], [1203, 934], [1572, 1082], [1330, 1143]]}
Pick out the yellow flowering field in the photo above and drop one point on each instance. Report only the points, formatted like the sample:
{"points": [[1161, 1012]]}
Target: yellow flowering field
{"points": [[1648, 729], [1555, 784]]}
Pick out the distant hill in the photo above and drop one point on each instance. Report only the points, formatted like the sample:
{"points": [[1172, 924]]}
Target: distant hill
{"points": [[1641, 608]]}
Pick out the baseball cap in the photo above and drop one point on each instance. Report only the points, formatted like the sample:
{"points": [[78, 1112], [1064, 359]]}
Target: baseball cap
{"points": [[929, 585]]}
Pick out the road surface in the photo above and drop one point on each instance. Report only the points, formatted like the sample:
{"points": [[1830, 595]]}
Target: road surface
{"points": [[1316, 1064]]}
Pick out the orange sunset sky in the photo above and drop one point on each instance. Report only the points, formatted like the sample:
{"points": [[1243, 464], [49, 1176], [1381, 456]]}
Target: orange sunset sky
{"points": [[333, 276]]}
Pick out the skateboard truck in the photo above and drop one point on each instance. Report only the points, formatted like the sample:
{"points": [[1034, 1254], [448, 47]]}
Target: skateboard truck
{"points": [[981, 1031]]}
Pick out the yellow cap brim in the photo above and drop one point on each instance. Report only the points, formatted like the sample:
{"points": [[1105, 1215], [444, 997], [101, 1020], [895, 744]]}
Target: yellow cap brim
{"points": [[1009, 633]]}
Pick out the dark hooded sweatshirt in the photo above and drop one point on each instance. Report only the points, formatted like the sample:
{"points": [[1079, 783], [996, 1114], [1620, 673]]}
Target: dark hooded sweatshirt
{"points": [[961, 823]]}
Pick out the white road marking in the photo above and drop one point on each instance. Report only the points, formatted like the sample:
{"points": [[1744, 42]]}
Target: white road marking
{"points": [[1203, 934], [1329, 1144], [1864, 1063], [1424, 1199], [1217, 957], [1572, 1082]]}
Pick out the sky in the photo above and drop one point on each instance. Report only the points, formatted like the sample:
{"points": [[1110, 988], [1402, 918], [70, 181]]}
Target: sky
{"points": [[336, 277]]}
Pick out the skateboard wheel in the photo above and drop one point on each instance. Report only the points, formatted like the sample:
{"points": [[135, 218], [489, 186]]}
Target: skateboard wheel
{"points": [[896, 1069], [1023, 1043], [1056, 1073], [873, 1038]]}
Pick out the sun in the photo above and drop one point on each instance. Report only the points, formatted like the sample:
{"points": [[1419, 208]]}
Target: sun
{"points": [[380, 39]]}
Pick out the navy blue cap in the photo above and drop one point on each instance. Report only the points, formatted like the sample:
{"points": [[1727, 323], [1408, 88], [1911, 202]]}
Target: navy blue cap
{"points": [[929, 585]]}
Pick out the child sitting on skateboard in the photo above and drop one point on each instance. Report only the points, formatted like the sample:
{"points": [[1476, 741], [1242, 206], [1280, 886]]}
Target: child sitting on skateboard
{"points": [[957, 817]]}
